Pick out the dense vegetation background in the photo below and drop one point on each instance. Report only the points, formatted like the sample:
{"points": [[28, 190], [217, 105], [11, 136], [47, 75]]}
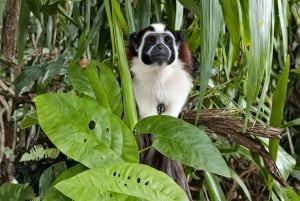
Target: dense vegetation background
{"points": [[66, 103]]}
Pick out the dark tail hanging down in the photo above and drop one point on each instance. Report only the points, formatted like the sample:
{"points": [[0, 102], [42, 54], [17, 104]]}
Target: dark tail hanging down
{"points": [[156, 160]]}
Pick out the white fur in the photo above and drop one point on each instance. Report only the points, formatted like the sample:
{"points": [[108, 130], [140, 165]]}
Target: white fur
{"points": [[152, 85], [159, 28]]}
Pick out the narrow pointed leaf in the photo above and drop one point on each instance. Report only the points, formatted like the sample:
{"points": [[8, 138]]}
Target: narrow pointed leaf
{"points": [[278, 106], [22, 29], [214, 187], [260, 54], [210, 22], [232, 18]]}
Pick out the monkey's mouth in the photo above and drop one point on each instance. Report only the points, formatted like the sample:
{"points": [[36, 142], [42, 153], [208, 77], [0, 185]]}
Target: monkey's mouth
{"points": [[160, 55], [160, 58]]}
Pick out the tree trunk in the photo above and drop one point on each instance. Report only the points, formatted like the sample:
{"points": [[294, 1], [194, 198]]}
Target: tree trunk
{"points": [[7, 52], [9, 29]]}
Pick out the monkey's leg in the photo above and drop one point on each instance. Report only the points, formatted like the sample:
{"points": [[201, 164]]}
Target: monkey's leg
{"points": [[156, 160]]}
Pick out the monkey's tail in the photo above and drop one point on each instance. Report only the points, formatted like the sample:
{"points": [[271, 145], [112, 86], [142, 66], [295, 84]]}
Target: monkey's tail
{"points": [[156, 160]]}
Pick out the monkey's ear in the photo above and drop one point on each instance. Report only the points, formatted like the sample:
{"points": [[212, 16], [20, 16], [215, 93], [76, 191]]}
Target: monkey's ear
{"points": [[178, 36], [134, 39], [133, 36]]}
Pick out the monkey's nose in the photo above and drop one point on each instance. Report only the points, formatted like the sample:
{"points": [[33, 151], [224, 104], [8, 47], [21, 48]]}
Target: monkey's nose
{"points": [[160, 46]]}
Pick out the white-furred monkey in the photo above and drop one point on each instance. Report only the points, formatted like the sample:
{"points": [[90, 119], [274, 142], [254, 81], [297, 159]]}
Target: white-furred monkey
{"points": [[161, 67]]}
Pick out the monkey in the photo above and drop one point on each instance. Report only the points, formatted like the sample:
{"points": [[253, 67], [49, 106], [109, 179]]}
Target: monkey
{"points": [[162, 76]]}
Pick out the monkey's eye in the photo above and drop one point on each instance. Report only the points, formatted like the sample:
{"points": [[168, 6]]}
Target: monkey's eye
{"points": [[167, 39], [151, 39]]}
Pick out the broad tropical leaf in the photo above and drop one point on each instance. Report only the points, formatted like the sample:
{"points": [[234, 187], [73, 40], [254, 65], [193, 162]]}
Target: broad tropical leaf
{"points": [[184, 142], [120, 182], [83, 130]]}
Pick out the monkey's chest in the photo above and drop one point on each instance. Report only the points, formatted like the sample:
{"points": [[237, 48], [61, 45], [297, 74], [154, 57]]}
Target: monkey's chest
{"points": [[157, 94]]}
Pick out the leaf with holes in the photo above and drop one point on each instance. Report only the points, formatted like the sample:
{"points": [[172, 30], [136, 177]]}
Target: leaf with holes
{"points": [[184, 142], [122, 181], [83, 130]]}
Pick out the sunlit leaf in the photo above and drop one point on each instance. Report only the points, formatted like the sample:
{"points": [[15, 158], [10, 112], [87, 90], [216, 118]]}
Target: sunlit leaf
{"points": [[117, 182], [183, 142], [30, 119], [83, 130]]}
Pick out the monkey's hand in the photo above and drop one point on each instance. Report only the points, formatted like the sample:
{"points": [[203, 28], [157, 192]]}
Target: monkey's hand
{"points": [[161, 108]]}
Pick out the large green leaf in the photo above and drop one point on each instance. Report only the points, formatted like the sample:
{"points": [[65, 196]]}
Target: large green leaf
{"points": [[184, 142], [83, 130], [118, 181]]}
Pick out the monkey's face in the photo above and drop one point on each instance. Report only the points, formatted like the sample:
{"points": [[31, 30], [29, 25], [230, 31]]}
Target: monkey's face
{"points": [[156, 45], [158, 48]]}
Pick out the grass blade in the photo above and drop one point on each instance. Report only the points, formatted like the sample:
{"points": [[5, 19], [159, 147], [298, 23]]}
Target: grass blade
{"points": [[22, 30], [278, 105], [260, 50], [214, 188], [143, 13], [118, 45], [210, 22]]}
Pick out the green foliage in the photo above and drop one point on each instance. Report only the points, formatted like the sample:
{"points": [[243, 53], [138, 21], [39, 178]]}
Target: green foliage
{"points": [[43, 72], [243, 42], [214, 187], [116, 34], [86, 82], [29, 120], [52, 193], [209, 38], [184, 142], [16, 192], [278, 105], [38, 152], [123, 181], [84, 130], [49, 175], [95, 137], [261, 50]]}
